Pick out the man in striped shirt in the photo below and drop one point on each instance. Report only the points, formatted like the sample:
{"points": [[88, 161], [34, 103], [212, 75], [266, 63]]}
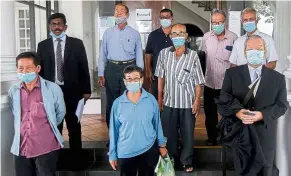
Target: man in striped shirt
{"points": [[217, 45], [179, 77]]}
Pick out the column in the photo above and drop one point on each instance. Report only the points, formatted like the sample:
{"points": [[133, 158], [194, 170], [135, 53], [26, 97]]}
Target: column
{"points": [[282, 43], [7, 58]]}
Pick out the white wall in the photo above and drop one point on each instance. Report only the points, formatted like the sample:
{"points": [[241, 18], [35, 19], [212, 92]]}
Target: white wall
{"points": [[184, 15]]}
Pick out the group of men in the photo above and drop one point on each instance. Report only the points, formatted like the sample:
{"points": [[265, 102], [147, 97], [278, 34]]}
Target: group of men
{"points": [[54, 80]]}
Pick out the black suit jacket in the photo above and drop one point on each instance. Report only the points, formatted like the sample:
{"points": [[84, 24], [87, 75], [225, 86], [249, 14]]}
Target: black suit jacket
{"points": [[270, 99], [76, 71]]}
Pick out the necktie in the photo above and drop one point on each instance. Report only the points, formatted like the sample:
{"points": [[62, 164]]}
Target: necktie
{"points": [[255, 75], [60, 63]]}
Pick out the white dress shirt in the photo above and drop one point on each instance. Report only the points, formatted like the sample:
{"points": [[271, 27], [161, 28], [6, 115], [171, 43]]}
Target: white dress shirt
{"points": [[252, 72], [237, 56], [63, 42]]}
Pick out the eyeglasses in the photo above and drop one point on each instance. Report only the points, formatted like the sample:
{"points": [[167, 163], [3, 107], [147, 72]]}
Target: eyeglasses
{"points": [[120, 12], [180, 34], [217, 23], [132, 80], [55, 25]]}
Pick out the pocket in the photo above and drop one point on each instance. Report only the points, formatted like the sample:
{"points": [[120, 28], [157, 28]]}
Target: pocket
{"points": [[38, 110], [129, 45], [184, 76]]}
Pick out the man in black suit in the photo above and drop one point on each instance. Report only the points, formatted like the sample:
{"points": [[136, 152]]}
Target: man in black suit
{"points": [[267, 103], [64, 61]]}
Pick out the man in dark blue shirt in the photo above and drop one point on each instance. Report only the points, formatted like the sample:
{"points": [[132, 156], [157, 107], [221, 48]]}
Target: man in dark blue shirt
{"points": [[157, 40]]}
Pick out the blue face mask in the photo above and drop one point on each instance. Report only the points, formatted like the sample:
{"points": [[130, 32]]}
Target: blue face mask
{"points": [[57, 36], [255, 57], [120, 20], [218, 29], [165, 23], [133, 86], [27, 77], [178, 41], [250, 26]]}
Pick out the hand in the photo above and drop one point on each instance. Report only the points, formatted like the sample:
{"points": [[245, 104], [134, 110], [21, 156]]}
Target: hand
{"points": [[240, 114], [258, 116], [163, 151], [101, 81], [160, 102], [113, 164], [196, 107], [86, 96], [149, 76]]}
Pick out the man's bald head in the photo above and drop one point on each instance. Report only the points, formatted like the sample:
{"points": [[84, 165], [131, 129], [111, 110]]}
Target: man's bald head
{"points": [[179, 27]]}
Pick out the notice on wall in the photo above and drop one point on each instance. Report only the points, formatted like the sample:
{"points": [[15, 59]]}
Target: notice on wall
{"points": [[144, 26], [105, 23], [143, 14], [234, 23]]}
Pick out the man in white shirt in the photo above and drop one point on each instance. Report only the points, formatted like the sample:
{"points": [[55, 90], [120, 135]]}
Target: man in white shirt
{"points": [[249, 18]]}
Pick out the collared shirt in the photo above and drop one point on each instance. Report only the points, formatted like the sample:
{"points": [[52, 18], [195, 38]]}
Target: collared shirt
{"points": [[252, 72], [63, 43], [36, 135], [134, 127], [157, 41], [54, 107], [217, 57], [181, 76], [237, 56], [120, 45]]}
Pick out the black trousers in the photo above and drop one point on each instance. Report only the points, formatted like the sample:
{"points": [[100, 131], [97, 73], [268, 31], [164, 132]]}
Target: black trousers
{"points": [[143, 164], [210, 108], [175, 120], [74, 128], [43, 165], [114, 85], [154, 88]]}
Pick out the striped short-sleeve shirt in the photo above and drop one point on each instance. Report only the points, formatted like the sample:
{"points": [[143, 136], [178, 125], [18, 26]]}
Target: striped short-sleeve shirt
{"points": [[181, 76]]}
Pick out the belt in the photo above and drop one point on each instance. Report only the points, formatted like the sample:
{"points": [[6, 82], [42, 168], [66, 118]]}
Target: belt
{"points": [[121, 62]]}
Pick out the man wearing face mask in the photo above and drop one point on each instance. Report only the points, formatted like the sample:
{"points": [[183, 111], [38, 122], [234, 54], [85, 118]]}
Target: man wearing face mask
{"points": [[38, 108], [217, 45], [64, 61], [266, 101], [179, 78], [120, 47], [136, 134], [249, 18], [157, 40]]}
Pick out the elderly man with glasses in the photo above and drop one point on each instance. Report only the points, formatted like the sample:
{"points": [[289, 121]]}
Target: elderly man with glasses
{"points": [[249, 18], [217, 45], [256, 96], [179, 78]]}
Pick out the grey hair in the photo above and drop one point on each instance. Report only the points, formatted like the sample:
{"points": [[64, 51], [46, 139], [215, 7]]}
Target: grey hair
{"points": [[180, 24], [217, 11], [250, 10], [256, 37]]}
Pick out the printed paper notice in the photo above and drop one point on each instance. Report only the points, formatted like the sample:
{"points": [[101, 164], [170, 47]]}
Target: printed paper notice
{"points": [[80, 109], [234, 22]]}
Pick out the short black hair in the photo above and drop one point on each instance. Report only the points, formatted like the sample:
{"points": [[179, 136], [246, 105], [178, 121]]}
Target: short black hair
{"points": [[167, 10], [133, 68], [57, 15], [31, 54], [126, 8]]}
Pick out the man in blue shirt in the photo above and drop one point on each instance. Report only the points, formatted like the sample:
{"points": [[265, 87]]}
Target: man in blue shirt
{"points": [[135, 128], [120, 47], [157, 40]]}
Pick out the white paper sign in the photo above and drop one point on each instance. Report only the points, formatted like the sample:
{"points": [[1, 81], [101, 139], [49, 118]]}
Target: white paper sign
{"points": [[143, 14], [80, 109], [234, 22], [144, 26]]}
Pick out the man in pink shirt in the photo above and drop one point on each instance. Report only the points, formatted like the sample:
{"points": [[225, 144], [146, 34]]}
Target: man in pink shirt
{"points": [[38, 107], [217, 45]]}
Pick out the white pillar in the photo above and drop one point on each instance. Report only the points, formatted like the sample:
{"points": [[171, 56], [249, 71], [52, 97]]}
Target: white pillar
{"points": [[7, 58], [282, 42]]}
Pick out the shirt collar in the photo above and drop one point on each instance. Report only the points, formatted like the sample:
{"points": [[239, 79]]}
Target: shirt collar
{"points": [[172, 49], [258, 69], [62, 38], [257, 32], [124, 99], [126, 26], [37, 85]]}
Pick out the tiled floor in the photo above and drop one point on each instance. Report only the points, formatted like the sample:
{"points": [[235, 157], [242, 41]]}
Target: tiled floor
{"points": [[94, 128]]}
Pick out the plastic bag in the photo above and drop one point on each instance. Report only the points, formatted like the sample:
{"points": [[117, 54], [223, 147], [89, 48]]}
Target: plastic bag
{"points": [[165, 167]]}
